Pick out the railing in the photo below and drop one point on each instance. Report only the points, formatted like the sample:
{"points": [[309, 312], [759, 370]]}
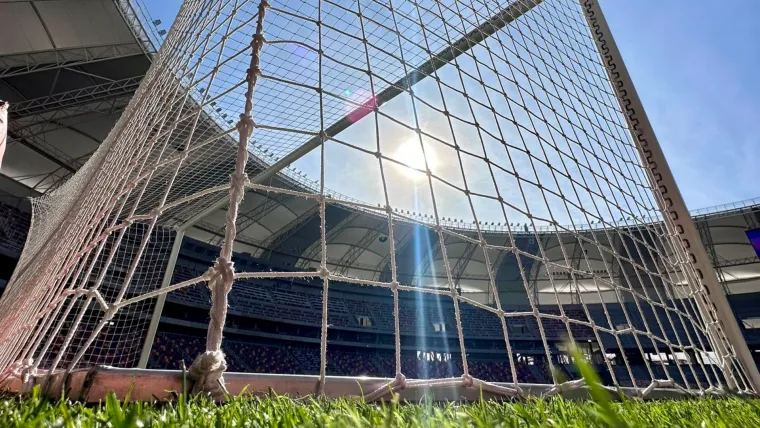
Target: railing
{"points": [[141, 24], [726, 208], [156, 37]]}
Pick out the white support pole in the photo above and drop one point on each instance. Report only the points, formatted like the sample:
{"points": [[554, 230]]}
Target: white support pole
{"points": [[671, 202], [156, 318]]}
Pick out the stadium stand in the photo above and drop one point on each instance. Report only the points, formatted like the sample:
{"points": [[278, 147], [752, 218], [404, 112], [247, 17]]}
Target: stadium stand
{"points": [[14, 225], [273, 327]]}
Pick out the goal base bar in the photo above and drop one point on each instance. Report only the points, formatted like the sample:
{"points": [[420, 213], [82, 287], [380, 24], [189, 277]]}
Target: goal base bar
{"points": [[94, 384]]}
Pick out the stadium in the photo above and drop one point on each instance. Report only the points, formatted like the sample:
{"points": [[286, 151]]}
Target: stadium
{"points": [[352, 199]]}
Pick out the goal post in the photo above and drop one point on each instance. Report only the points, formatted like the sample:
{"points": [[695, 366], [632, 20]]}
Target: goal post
{"points": [[715, 308], [477, 186]]}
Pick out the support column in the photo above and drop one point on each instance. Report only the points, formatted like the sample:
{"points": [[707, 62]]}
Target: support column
{"points": [[156, 318], [670, 200]]}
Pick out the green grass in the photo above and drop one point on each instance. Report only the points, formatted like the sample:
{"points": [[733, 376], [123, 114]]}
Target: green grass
{"points": [[280, 411]]}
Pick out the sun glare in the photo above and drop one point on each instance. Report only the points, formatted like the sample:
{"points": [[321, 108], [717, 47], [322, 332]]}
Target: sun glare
{"points": [[410, 153]]}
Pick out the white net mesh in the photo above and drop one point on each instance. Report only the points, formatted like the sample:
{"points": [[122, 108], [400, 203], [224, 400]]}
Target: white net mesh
{"points": [[484, 183]]}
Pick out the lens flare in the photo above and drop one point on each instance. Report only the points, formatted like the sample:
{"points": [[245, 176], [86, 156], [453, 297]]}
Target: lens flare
{"points": [[410, 153]]}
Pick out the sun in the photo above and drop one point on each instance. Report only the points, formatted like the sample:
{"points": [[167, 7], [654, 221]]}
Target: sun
{"points": [[410, 153]]}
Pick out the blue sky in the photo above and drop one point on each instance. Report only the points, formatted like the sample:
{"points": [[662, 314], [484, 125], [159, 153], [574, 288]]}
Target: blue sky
{"points": [[695, 78], [695, 69]]}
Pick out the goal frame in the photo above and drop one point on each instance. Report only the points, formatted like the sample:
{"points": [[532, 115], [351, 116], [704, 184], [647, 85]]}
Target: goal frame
{"points": [[94, 384]]}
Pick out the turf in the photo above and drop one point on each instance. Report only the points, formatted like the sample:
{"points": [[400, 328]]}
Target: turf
{"points": [[280, 411]]}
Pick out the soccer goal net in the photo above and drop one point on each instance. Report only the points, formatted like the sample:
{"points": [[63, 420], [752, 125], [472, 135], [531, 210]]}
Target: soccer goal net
{"points": [[440, 194]]}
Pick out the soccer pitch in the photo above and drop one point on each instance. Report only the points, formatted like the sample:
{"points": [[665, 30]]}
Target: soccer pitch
{"points": [[428, 213], [281, 411]]}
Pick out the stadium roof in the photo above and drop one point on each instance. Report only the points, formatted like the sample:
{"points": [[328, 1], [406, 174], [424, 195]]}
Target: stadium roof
{"points": [[285, 230], [70, 67]]}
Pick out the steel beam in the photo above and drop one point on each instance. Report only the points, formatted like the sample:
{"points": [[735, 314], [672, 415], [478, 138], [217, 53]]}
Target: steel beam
{"points": [[46, 182], [725, 263], [255, 215], [41, 123], [160, 300], [535, 270], [249, 218], [706, 237], [34, 118], [32, 62], [129, 14], [48, 151], [285, 232], [76, 97], [427, 262], [492, 277], [316, 247], [353, 253], [753, 218], [459, 267]]}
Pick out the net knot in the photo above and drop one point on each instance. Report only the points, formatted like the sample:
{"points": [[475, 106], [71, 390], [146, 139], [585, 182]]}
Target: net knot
{"points": [[656, 383], [467, 380], [323, 272], [239, 181], [92, 294], [109, 313], [224, 269], [22, 368], [254, 72], [258, 38], [566, 386], [206, 372], [394, 285], [245, 124], [400, 381]]}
